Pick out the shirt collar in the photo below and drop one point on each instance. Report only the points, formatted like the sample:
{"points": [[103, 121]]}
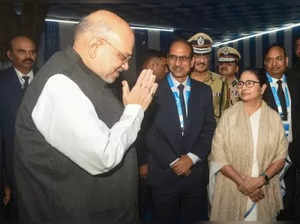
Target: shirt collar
{"points": [[176, 83], [274, 80], [20, 75]]}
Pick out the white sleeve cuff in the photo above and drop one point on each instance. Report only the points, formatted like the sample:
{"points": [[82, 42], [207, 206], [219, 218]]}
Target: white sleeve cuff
{"points": [[172, 163], [193, 157]]}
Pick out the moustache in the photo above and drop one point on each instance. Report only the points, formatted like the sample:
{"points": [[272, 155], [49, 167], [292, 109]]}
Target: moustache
{"points": [[275, 68], [177, 67], [28, 60]]}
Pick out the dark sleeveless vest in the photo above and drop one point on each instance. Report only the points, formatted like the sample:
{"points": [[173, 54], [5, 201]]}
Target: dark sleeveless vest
{"points": [[53, 189]]}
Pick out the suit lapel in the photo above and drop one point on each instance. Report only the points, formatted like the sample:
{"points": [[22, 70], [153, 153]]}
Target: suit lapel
{"points": [[292, 90], [15, 82], [269, 98], [170, 105], [195, 114], [13, 91], [167, 119]]}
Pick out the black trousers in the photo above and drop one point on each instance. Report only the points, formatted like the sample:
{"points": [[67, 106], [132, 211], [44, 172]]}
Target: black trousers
{"points": [[289, 200], [145, 201], [180, 203], [11, 210]]}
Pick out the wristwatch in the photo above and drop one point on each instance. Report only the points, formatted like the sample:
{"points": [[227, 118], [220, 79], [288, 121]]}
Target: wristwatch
{"points": [[267, 179]]}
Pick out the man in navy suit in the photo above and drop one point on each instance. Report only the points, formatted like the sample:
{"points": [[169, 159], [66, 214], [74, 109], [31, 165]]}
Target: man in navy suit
{"points": [[178, 139], [282, 94], [13, 83]]}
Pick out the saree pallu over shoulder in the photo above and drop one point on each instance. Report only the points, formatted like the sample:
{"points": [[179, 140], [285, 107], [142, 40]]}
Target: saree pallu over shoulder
{"points": [[233, 145]]}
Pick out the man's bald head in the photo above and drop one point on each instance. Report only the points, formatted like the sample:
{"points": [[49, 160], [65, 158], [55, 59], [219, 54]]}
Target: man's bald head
{"points": [[104, 24], [104, 41]]}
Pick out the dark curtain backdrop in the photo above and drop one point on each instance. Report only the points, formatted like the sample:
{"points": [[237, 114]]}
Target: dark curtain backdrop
{"points": [[24, 19], [51, 39]]}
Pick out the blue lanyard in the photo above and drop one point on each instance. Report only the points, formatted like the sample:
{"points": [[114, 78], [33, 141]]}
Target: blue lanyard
{"points": [[286, 124], [274, 91], [187, 93], [250, 210]]}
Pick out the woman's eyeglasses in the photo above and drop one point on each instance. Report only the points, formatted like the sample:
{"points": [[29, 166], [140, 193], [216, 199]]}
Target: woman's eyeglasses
{"points": [[247, 83]]}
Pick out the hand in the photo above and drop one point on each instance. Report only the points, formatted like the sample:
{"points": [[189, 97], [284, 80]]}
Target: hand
{"points": [[143, 170], [143, 90], [7, 195], [257, 195], [187, 173], [250, 184], [183, 165]]}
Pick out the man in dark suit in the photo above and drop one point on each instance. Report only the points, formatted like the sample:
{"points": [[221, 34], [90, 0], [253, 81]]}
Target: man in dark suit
{"points": [[178, 140], [282, 94], [13, 83]]}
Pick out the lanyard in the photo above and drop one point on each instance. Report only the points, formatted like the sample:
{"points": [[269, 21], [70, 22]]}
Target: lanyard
{"points": [[286, 124], [175, 92], [275, 95]]}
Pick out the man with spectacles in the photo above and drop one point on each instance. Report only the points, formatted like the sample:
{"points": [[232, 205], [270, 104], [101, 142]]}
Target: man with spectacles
{"points": [[282, 94], [74, 162], [228, 64], [178, 140], [202, 47]]}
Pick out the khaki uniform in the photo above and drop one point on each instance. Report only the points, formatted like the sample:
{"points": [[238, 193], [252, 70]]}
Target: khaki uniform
{"points": [[233, 93], [220, 93], [202, 45]]}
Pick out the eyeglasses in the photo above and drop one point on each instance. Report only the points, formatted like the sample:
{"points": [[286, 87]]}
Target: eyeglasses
{"points": [[125, 58], [173, 57], [247, 83]]}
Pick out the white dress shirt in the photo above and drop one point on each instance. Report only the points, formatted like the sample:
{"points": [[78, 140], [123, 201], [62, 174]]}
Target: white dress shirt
{"points": [[20, 75], [289, 108], [192, 156], [68, 121]]}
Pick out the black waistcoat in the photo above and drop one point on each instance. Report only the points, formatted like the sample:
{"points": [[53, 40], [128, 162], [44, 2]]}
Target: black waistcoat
{"points": [[52, 188]]}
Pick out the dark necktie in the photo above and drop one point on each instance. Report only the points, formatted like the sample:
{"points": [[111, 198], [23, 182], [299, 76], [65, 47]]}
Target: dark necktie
{"points": [[182, 102], [281, 97], [26, 82]]}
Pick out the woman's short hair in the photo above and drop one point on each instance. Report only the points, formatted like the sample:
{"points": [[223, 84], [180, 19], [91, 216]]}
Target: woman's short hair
{"points": [[259, 73]]}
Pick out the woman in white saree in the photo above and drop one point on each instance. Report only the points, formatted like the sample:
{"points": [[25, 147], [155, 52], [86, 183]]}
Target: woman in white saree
{"points": [[248, 151]]}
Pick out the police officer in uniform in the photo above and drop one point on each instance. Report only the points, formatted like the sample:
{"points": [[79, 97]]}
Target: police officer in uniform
{"points": [[202, 47], [228, 66]]}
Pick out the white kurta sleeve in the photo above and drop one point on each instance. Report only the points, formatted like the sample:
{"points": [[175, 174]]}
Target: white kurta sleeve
{"points": [[68, 121]]}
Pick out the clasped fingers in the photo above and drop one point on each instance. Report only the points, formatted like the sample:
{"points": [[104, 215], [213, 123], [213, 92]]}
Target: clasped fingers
{"points": [[143, 91], [257, 195]]}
